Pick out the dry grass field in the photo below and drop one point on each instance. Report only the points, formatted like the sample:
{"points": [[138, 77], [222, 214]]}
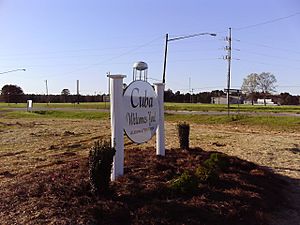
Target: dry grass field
{"points": [[29, 146]]}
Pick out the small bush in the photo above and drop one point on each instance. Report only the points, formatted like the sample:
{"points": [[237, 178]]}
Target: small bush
{"points": [[205, 175], [209, 172], [211, 168], [100, 164], [41, 112], [186, 183], [183, 135], [237, 117], [216, 161]]}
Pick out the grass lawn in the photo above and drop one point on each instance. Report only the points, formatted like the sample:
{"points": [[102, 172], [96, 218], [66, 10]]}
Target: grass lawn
{"points": [[222, 108], [271, 122], [168, 106], [57, 114], [85, 105]]}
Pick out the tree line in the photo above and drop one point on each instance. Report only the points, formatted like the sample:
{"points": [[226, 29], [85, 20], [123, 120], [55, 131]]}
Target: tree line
{"points": [[255, 86], [15, 94]]}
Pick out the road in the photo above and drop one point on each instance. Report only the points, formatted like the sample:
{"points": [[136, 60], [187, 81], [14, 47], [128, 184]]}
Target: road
{"points": [[168, 111]]}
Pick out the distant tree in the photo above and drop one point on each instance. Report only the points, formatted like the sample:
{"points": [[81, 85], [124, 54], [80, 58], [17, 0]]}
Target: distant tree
{"points": [[65, 93], [250, 85], [288, 99], [217, 93], [179, 97], [169, 96], [204, 97], [266, 84], [12, 93]]}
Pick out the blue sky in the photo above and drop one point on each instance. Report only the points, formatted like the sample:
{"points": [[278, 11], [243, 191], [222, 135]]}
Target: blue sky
{"points": [[63, 41]]}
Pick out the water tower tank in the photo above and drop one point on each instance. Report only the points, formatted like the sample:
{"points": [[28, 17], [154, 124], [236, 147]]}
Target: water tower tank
{"points": [[140, 70], [140, 66]]}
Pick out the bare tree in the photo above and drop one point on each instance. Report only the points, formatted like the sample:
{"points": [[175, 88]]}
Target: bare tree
{"points": [[266, 83], [250, 85]]}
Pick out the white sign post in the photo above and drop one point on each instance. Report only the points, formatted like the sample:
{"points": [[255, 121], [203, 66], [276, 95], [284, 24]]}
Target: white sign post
{"points": [[116, 119], [160, 132]]}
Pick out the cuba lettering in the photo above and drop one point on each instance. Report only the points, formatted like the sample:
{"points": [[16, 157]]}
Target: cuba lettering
{"points": [[142, 101]]}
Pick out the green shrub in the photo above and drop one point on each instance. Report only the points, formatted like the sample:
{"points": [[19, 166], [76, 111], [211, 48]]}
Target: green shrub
{"points": [[183, 135], [211, 168], [100, 164], [237, 117], [205, 175], [41, 112], [186, 183], [216, 161]]}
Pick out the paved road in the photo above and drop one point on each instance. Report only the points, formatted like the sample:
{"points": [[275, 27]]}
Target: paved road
{"points": [[169, 111]]}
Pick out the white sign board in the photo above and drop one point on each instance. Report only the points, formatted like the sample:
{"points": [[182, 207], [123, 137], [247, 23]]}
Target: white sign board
{"points": [[140, 111]]}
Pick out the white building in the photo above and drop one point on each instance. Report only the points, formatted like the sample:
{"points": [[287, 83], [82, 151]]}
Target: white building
{"points": [[260, 101]]}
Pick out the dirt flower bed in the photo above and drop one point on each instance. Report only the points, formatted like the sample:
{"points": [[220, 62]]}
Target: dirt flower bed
{"points": [[245, 193], [43, 174]]}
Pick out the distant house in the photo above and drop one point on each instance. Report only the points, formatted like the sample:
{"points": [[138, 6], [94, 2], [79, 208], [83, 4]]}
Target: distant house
{"points": [[223, 100], [260, 101], [269, 101]]}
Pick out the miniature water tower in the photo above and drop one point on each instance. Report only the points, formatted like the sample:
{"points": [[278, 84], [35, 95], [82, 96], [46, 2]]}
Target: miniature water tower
{"points": [[140, 71]]}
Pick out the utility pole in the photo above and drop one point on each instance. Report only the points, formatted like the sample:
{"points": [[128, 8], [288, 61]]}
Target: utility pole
{"points": [[108, 74], [165, 59], [190, 90], [47, 94], [77, 91], [108, 89], [228, 58]]}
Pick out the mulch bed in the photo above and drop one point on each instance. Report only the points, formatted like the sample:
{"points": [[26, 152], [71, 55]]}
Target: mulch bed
{"points": [[245, 193]]}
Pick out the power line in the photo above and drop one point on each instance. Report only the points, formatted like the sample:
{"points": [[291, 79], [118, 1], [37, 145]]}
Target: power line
{"points": [[150, 78], [271, 47], [271, 56], [112, 58], [119, 63], [267, 22], [211, 87], [270, 64], [97, 55], [91, 49], [67, 51]]}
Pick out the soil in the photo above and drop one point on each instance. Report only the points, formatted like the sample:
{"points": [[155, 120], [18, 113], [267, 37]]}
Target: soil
{"points": [[44, 176]]}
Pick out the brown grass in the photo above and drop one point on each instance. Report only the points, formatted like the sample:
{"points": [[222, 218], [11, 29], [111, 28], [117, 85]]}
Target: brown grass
{"points": [[246, 193], [43, 176]]}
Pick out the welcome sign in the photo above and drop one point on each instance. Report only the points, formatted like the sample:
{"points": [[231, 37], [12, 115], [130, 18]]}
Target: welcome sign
{"points": [[141, 110]]}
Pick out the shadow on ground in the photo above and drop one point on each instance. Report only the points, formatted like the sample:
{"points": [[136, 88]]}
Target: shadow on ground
{"points": [[244, 194]]}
